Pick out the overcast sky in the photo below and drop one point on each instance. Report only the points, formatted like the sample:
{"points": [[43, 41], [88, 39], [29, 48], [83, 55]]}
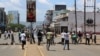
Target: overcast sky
{"points": [[42, 6]]}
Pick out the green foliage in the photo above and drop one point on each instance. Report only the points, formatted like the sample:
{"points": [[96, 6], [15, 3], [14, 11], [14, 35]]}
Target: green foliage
{"points": [[15, 27]]}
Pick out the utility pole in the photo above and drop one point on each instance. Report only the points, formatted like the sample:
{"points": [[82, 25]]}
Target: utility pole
{"points": [[84, 18], [31, 29], [75, 16], [94, 16]]}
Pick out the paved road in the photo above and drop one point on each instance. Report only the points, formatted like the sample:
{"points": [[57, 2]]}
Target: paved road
{"points": [[10, 50], [15, 50], [55, 50], [75, 50]]}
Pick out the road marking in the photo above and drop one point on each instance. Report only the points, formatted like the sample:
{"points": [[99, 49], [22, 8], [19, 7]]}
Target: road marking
{"points": [[25, 52], [40, 51]]}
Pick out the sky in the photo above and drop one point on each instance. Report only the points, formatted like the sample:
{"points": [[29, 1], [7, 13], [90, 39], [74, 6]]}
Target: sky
{"points": [[41, 6]]}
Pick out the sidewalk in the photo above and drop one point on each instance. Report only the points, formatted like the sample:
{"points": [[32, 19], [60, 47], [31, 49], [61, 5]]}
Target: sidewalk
{"points": [[34, 50]]}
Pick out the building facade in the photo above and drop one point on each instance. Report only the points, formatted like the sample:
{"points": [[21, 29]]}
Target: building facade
{"points": [[3, 19], [13, 17], [80, 21], [48, 19], [68, 21], [60, 18]]}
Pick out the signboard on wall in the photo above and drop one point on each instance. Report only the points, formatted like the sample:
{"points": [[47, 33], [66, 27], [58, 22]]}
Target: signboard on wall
{"points": [[31, 10]]}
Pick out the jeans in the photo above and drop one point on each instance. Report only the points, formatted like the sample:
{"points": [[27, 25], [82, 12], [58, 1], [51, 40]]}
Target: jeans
{"points": [[66, 43]]}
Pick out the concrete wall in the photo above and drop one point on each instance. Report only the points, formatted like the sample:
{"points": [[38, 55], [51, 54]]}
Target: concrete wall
{"points": [[80, 20]]}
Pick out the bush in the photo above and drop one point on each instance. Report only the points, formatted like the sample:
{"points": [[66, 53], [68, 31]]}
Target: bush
{"points": [[15, 27]]}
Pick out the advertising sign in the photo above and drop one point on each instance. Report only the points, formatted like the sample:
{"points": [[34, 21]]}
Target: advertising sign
{"points": [[31, 10]]}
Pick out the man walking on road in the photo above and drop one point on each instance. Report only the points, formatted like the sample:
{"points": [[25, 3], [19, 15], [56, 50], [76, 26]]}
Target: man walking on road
{"points": [[5, 35], [88, 39], [79, 37], [39, 37], [66, 38], [49, 35], [23, 39], [62, 37]]}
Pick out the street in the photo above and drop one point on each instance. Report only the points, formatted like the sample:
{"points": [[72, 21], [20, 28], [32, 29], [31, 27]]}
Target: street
{"points": [[55, 50], [75, 50], [6, 49]]}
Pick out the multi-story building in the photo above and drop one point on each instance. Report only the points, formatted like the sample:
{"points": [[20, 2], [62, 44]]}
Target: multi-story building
{"points": [[48, 18], [80, 21], [3, 20], [60, 18], [13, 17], [68, 21]]}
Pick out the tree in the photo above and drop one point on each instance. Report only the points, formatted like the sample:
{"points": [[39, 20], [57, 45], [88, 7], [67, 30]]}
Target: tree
{"points": [[15, 27]]}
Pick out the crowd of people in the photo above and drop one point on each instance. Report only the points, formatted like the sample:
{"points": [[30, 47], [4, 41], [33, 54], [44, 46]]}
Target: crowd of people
{"points": [[25, 35], [9, 34]]}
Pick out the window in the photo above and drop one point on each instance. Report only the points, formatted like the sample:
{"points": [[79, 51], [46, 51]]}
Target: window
{"points": [[65, 19]]}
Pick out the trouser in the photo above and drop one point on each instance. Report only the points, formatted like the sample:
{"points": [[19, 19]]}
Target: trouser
{"points": [[52, 40], [8, 36], [80, 39], [12, 40], [23, 43], [75, 41], [48, 44], [33, 39], [95, 40], [62, 40], [66, 43], [72, 40], [88, 41], [19, 39], [39, 41]]}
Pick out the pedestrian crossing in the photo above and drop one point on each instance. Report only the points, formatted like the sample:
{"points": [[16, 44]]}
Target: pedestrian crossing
{"points": [[10, 47]]}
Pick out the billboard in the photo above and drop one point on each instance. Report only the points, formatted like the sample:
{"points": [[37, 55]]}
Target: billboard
{"points": [[31, 10]]}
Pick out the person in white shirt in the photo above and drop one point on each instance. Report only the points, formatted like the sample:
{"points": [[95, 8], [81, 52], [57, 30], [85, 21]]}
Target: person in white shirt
{"points": [[5, 34], [66, 38], [88, 38], [23, 39], [62, 37], [9, 34]]}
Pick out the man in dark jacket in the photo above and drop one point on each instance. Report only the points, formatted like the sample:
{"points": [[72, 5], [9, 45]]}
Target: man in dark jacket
{"points": [[39, 37]]}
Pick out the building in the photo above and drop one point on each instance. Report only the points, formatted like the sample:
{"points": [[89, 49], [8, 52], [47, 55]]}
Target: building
{"points": [[3, 20], [48, 18], [70, 21], [60, 19], [60, 7], [80, 21], [13, 17]]}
